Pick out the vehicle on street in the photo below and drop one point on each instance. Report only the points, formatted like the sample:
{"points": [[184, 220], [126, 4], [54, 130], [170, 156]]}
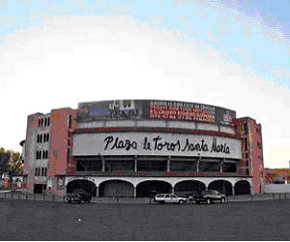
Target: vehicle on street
{"points": [[210, 196], [169, 198], [78, 196]]}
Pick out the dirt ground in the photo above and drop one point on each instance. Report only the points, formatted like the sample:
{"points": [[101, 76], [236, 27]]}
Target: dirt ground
{"points": [[38, 220]]}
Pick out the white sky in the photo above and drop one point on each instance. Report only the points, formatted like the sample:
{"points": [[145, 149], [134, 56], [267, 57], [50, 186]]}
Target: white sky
{"points": [[78, 59]]}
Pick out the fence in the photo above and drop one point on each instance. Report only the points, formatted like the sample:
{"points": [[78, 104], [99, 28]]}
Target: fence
{"points": [[35, 197], [127, 200]]}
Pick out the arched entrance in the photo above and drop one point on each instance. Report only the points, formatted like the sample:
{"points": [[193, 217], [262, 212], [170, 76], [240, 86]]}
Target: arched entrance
{"points": [[150, 188], [221, 186], [86, 185], [242, 187], [116, 188], [184, 188]]}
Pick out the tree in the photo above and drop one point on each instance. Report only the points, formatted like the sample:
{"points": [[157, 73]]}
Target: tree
{"points": [[4, 159], [10, 162]]}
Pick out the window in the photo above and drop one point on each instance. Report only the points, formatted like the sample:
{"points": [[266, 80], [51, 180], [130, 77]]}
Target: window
{"points": [[121, 165], [68, 154], [37, 139], [69, 121], [209, 165], [246, 131], [42, 171], [37, 171], [93, 164], [38, 155], [245, 144], [45, 171], [60, 181], [44, 154], [48, 121], [45, 137], [229, 167], [183, 165], [152, 165], [45, 122]]}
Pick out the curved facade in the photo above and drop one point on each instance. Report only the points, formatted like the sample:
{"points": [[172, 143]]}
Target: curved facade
{"points": [[135, 148]]}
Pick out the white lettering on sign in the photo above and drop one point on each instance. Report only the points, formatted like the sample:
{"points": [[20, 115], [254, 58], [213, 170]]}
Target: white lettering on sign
{"points": [[156, 144]]}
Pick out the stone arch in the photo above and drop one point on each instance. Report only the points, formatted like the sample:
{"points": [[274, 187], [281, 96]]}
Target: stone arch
{"points": [[84, 184], [186, 187], [221, 186], [116, 188], [242, 187], [149, 188]]}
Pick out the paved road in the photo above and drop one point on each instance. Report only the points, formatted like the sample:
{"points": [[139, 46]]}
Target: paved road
{"points": [[34, 220]]}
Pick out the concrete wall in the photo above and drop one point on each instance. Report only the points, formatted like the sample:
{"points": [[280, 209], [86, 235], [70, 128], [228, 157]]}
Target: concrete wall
{"points": [[277, 188]]}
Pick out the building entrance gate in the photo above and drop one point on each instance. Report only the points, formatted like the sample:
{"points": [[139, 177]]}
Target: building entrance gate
{"points": [[87, 185]]}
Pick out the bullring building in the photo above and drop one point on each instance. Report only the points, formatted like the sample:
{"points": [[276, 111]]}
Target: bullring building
{"points": [[134, 148]]}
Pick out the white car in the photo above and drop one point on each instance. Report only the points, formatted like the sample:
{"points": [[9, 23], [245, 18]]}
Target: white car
{"points": [[169, 198]]}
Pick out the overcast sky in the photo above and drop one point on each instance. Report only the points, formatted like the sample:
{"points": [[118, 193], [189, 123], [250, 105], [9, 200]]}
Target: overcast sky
{"points": [[233, 54]]}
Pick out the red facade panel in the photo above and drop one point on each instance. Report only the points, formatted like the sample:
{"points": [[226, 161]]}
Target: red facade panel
{"points": [[60, 146]]}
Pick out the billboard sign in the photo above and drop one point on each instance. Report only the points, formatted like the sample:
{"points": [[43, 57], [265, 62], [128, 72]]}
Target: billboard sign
{"points": [[154, 109], [142, 143]]}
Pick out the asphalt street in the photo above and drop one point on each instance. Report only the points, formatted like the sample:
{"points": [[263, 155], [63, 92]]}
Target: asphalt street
{"points": [[36, 220]]}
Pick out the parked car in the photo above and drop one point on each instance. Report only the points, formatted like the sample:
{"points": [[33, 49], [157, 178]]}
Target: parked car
{"points": [[169, 198], [78, 196], [210, 196]]}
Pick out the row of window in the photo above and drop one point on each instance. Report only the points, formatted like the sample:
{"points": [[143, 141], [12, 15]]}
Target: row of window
{"points": [[41, 154], [156, 165], [45, 138], [43, 122], [40, 171]]}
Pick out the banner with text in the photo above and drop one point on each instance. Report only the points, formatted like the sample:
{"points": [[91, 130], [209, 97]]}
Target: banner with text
{"points": [[154, 109], [155, 144]]}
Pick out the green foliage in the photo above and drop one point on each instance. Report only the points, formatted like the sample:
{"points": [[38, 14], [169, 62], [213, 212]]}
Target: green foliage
{"points": [[10, 161]]}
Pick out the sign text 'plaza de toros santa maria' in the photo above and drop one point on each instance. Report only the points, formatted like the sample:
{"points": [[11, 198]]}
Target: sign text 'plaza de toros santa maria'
{"points": [[135, 148]]}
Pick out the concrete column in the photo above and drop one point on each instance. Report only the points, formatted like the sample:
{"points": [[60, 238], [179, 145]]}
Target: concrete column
{"points": [[172, 190], [103, 164], [197, 165], [233, 190], [97, 191], [135, 164], [135, 192], [168, 164], [221, 165], [206, 187]]}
